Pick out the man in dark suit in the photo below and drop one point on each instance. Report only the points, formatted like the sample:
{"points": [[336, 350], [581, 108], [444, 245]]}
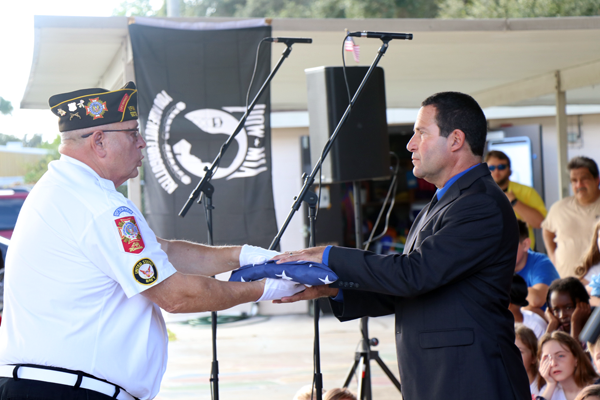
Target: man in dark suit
{"points": [[450, 288]]}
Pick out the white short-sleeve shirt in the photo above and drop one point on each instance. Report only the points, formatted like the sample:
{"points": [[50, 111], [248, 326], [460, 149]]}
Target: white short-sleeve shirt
{"points": [[534, 322], [80, 255]]}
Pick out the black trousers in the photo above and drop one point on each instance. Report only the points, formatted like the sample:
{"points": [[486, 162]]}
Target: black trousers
{"points": [[25, 389]]}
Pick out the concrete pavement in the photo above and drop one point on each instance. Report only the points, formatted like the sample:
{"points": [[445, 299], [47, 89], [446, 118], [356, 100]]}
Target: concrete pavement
{"points": [[270, 357]]}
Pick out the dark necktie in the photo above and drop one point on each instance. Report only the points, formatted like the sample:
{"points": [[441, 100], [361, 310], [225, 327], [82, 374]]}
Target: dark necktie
{"points": [[432, 203], [419, 226]]}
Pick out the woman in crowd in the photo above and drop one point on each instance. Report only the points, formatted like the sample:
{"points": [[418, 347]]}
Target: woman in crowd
{"points": [[594, 350], [568, 306], [527, 343], [589, 393], [564, 368], [591, 265]]}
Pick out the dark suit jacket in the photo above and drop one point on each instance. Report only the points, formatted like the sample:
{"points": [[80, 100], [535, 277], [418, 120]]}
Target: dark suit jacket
{"points": [[449, 291]]}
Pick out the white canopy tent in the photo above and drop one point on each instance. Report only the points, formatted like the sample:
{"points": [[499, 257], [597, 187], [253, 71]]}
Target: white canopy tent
{"points": [[542, 61]]}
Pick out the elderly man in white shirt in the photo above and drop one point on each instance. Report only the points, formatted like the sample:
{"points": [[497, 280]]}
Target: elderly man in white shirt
{"points": [[85, 274]]}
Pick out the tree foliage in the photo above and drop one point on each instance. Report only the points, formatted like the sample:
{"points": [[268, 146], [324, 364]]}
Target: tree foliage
{"points": [[36, 170], [8, 138], [138, 8], [39, 168], [368, 8], [5, 107], [28, 141], [517, 8], [289, 8]]}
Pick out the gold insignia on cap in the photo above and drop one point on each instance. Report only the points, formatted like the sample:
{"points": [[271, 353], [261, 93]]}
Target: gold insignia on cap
{"points": [[61, 112], [132, 111]]}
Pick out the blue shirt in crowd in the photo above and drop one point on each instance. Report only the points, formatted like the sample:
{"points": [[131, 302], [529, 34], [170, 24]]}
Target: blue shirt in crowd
{"points": [[538, 269]]}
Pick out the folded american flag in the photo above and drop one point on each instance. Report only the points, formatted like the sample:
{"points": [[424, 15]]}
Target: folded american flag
{"points": [[307, 273]]}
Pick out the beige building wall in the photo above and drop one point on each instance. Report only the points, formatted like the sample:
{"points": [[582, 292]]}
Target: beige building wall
{"points": [[17, 164]]}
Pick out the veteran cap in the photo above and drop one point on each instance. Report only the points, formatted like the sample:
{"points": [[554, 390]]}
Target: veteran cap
{"points": [[86, 108]]}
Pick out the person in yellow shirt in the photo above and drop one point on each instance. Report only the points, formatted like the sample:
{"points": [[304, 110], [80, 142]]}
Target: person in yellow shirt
{"points": [[527, 203]]}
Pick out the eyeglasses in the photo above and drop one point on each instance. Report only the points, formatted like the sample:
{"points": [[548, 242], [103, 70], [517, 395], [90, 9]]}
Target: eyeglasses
{"points": [[137, 132], [501, 167]]}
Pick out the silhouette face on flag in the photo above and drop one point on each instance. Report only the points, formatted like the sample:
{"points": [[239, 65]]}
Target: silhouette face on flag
{"points": [[307, 273]]}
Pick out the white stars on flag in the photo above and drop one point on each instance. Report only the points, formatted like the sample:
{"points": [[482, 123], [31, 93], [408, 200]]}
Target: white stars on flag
{"points": [[326, 281], [283, 276]]}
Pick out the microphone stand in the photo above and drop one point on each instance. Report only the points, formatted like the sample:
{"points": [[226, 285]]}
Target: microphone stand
{"points": [[308, 196], [206, 189]]}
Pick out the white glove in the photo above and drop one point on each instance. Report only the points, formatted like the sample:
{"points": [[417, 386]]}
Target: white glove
{"points": [[275, 289], [255, 255]]}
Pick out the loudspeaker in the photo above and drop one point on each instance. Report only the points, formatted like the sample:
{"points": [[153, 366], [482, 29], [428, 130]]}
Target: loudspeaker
{"points": [[361, 149]]}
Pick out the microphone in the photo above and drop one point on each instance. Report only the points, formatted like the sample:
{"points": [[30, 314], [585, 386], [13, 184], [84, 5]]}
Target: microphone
{"points": [[382, 35], [288, 40]]}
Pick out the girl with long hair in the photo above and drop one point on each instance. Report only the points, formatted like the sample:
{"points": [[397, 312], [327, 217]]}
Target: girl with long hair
{"points": [[591, 264], [527, 343], [589, 393], [591, 259], [564, 368]]}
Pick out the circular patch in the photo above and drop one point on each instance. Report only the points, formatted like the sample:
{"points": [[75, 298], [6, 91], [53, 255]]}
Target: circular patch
{"points": [[96, 108], [129, 230], [145, 271]]}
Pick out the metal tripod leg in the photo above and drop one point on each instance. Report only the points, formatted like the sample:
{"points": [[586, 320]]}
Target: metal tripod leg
{"points": [[357, 359], [364, 381], [362, 358], [386, 370]]}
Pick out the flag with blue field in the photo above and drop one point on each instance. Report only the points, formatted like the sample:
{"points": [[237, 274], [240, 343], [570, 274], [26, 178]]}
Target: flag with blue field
{"points": [[307, 273]]}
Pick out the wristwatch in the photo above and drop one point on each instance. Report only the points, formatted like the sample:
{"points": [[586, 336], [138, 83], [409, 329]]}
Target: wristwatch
{"points": [[512, 203]]}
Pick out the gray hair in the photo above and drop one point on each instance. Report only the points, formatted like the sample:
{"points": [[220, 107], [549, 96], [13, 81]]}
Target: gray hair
{"points": [[584, 162]]}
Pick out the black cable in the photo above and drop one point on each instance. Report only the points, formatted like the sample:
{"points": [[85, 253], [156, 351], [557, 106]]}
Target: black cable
{"points": [[344, 70], [254, 72], [350, 103], [218, 163], [320, 183], [392, 189]]}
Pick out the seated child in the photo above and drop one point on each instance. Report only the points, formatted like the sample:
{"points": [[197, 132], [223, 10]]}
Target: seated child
{"points": [[564, 367], [527, 343], [568, 306]]}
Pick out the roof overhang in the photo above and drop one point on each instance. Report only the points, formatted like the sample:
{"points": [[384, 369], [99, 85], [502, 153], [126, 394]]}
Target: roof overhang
{"points": [[499, 62]]}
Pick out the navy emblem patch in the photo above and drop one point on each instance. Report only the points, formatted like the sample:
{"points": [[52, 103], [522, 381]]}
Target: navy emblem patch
{"points": [[144, 271]]}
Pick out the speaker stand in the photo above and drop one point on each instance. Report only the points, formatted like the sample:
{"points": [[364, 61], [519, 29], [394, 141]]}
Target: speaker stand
{"points": [[363, 357]]}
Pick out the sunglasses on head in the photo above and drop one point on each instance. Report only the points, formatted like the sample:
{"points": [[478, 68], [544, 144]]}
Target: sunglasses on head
{"points": [[500, 167]]}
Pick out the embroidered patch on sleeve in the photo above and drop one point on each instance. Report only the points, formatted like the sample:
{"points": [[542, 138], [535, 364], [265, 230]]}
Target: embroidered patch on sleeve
{"points": [[121, 210], [130, 235], [145, 272]]}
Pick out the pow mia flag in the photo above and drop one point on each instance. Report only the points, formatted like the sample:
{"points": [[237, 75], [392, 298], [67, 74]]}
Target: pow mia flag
{"points": [[192, 80]]}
